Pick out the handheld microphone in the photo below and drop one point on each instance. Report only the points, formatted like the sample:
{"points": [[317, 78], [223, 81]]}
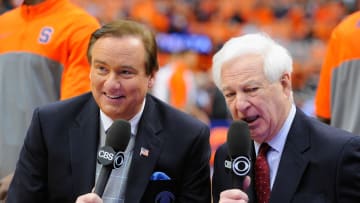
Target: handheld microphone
{"points": [[111, 155], [239, 142]]}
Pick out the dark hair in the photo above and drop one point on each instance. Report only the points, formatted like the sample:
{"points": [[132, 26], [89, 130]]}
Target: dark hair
{"points": [[122, 28]]}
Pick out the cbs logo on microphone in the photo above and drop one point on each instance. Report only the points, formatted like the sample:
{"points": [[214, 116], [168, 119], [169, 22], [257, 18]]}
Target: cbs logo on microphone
{"points": [[241, 165], [107, 156]]}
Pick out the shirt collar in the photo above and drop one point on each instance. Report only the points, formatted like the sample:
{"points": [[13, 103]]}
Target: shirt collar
{"points": [[278, 142]]}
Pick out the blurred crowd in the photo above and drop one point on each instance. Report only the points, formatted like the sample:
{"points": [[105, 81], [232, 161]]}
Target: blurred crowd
{"points": [[303, 26]]}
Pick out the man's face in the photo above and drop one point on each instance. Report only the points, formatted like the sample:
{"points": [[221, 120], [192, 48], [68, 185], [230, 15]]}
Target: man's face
{"points": [[118, 79], [254, 99]]}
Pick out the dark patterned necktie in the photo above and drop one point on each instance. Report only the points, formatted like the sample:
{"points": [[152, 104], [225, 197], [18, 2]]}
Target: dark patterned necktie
{"points": [[262, 175]]}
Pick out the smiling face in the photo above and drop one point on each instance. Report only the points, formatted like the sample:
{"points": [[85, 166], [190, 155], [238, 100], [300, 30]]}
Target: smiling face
{"points": [[118, 79], [251, 97]]}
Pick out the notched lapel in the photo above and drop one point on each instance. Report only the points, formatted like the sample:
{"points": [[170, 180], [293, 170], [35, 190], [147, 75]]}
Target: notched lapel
{"points": [[291, 168], [142, 165], [84, 134], [293, 162], [148, 138]]}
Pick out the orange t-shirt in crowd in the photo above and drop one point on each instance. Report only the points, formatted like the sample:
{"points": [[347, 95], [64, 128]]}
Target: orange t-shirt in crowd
{"points": [[338, 94]]}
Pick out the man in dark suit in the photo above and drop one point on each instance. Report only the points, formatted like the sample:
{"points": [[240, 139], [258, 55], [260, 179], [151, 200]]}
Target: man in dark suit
{"points": [[308, 161], [58, 160]]}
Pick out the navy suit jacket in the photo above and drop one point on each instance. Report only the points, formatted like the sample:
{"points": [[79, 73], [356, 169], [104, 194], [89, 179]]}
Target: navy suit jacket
{"points": [[58, 160], [319, 164]]}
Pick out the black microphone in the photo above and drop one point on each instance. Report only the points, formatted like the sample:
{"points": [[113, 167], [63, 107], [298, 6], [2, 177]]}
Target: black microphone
{"points": [[239, 142], [111, 155]]}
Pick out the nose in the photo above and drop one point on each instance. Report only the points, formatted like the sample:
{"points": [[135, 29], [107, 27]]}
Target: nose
{"points": [[112, 81], [241, 102]]}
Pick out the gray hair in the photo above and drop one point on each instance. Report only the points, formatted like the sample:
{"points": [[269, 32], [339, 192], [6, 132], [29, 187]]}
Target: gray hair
{"points": [[277, 59]]}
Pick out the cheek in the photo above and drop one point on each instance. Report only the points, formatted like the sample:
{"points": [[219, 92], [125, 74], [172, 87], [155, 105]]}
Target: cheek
{"points": [[270, 111], [135, 87], [95, 80], [97, 83], [92, 76], [232, 108]]}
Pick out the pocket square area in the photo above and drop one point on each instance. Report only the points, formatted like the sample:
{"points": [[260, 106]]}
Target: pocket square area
{"points": [[160, 189], [158, 175]]}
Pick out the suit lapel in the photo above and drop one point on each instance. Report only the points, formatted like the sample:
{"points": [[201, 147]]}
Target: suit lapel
{"points": [[83, 136], [251, 190], [143, 166], [293, 161]]}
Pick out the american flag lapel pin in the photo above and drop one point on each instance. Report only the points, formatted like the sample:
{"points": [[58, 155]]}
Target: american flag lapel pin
{"points": [[144, 152]]}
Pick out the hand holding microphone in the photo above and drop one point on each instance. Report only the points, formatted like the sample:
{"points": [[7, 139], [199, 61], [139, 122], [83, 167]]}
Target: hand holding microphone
{"points": [[111, 155], [89, 198]]}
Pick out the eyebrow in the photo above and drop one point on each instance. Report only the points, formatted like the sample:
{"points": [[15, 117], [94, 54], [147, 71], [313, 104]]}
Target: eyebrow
{"points": [[248, 83], [99, 61]]}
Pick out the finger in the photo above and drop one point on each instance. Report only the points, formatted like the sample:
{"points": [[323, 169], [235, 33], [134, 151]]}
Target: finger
{"points": [[89, 198], [246, 183], [3, 193], [234, 194]]}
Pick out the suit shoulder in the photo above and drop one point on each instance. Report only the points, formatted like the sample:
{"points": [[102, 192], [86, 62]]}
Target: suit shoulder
{"points": [[327, 130], [170, 113], [320, 132], [68, 105]]}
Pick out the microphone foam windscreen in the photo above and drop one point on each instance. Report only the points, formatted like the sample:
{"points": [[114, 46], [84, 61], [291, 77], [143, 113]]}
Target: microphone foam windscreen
{"points": [[118, 135], [238, 139]]}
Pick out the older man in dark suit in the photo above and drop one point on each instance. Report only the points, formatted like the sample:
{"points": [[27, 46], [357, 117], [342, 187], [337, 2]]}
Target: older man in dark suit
{"points": [[304, 160]]}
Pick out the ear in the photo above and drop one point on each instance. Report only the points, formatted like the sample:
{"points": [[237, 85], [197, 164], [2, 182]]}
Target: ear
{"points": [[151, 81], [285, 81]]}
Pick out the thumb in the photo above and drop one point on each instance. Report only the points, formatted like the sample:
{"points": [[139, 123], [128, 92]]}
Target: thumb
{"points": [[246, 183]]}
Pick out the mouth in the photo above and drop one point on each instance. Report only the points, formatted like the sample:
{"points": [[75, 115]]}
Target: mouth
{"points": [[250, 119], [114, 96]]}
